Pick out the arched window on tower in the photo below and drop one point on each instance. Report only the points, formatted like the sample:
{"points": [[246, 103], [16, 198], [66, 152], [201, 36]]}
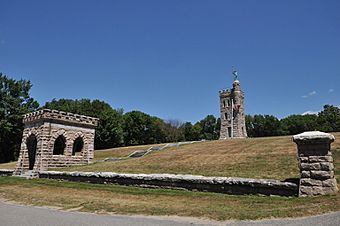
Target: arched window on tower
{"points": [[77, 146], [59, 145], [226, 116]]}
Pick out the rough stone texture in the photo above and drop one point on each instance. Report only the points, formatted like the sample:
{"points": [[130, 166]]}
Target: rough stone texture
{"points": [[6, 172], [228, 185], [232, 113], [46, 126], [316, 163]]}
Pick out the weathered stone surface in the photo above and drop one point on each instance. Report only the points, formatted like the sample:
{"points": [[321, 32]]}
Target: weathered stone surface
{"points": [[229, 185], [310, 166], [310, 182], [303, 159], [313, 135], [329, 183], [321, 175], [326, 166], [314, 190], [6, 172], [305, 174], [320, 159]]}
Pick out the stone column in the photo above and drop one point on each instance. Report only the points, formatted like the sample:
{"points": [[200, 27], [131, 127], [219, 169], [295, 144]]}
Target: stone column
{"points": [[315, 163]]}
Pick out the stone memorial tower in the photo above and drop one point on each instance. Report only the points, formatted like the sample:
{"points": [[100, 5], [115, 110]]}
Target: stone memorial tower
{"points": [[233, 124]]}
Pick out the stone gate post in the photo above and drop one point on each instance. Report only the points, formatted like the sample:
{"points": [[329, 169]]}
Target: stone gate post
{"points": [[315, 163]]}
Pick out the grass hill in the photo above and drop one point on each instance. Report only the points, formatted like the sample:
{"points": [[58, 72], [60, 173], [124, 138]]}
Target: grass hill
{"points": [[271, 157]]}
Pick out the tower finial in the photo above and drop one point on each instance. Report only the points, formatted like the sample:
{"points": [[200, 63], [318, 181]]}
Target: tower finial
{"points": [[234, 72]]}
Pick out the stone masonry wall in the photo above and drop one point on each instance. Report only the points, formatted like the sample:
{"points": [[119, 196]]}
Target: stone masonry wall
{"points": [[315, 163], [227, 185]]}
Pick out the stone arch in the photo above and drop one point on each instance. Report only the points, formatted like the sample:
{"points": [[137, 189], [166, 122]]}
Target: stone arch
{"points": [[59, 145], [84, 138], [31, 144], [60, 133], [32, 131], [78, 145]]}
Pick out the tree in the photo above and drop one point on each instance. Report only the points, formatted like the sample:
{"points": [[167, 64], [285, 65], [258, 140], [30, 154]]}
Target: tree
{"points": [[263, 125], [172, 130], [191, 132], [209, 128], [140, 128], [329, 119], [15, 101], [250, 125], [295, 124]]}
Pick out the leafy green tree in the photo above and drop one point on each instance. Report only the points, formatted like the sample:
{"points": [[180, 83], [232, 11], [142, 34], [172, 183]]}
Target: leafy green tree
{"points": [[209, 128], [329, 119], [250, 125], [295, 124], [172, 130], [15, 101], [140, 128], [191, 132], [263, 125]]}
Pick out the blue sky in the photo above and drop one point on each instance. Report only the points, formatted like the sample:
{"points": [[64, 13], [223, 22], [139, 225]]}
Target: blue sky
{"points": [[170, 58]]}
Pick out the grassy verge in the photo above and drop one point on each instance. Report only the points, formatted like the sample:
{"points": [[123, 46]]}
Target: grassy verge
{"points": [[130, 200]]}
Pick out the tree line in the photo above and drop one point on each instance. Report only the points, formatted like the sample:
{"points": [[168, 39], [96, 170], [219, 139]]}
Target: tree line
{"points": [[116, 128], [328, 120]]}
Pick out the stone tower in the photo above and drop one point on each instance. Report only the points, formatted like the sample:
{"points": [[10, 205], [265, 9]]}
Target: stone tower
{"points": [[233, 124]]}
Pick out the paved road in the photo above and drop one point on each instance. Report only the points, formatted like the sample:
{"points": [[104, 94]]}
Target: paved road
{"points": [[18, 215]]}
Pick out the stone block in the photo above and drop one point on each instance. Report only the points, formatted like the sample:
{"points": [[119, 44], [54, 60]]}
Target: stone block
{"points": [[320, 159], [303, 159], [315, 190], [310, 166], [321, 175], [329, 183], [326, 166], [310, 182], [305, 174]]}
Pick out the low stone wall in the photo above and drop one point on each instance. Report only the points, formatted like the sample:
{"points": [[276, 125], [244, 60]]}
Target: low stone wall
{"points": [[6, 172], [228, 185]]}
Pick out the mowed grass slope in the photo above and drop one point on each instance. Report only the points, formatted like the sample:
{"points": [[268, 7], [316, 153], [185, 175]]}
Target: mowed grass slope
{"points": [[271, 157]]}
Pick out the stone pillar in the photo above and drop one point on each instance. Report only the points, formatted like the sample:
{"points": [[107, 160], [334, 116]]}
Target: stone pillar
{"points": [[315, 163]]}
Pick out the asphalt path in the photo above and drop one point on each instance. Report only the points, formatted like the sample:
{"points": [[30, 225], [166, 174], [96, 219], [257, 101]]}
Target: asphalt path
{"points": [[18, 215]]}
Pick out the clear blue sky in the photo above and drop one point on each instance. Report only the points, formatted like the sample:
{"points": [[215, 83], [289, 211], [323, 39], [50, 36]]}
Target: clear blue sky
{"points": [[170, 58]]}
